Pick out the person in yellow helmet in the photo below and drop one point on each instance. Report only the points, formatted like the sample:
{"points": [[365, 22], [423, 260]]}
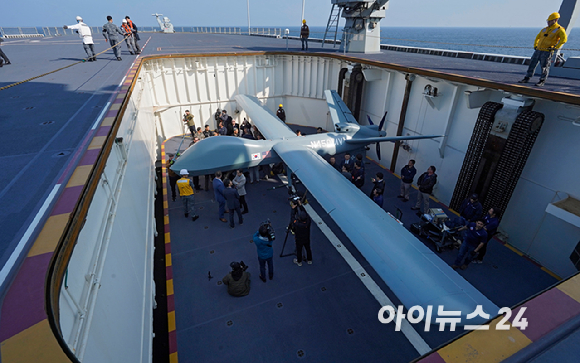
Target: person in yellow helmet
{"points": [[281, 113], [185, 186], [304, 34], [548, 40]]}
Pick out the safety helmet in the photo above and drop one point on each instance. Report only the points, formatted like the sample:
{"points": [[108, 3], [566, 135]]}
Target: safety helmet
{"points": [[124, 21], [79, 18], [303, 21], [184, 172], [554, 16], [280, 105]]}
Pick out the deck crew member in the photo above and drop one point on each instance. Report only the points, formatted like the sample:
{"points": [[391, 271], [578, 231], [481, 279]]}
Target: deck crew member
{"points": [[304, 34], [135, 32], [474, 240], [173, 177], [238, 280], [110, 32], [281, 113], [87, 37], [378, 185], [471, 209], [3, 58], [426, 182], [185, 186], [491, 222], [128, 33], [548, 40], [407, 176]]}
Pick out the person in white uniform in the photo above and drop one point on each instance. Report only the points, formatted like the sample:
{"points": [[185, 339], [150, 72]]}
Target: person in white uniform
{"points": [[85, 34]]}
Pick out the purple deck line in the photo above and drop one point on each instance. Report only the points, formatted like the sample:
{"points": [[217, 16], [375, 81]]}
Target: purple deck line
{"points": [[112, 113], [103, 131], [546, 312], [171, 302], [90, 157], [24, 303], [67, 200], [433, 358]]}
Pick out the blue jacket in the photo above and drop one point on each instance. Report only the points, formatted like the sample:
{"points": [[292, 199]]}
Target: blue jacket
{"points": [[218, 190], [408, 174], [264, 246]]}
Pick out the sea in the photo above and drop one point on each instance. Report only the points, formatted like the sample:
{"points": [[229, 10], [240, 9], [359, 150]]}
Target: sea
{"points": [[509, 41]]}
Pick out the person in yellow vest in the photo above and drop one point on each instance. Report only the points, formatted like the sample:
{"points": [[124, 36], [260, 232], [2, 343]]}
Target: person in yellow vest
{"points": [[185, 186], [548, 40]]}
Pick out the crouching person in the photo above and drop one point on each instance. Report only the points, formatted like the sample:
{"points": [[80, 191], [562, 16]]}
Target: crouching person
{"points": [[238, 280]]}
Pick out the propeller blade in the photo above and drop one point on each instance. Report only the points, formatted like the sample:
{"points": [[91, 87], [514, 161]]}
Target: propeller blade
{"points": [[378, 146], [371, 121], [382, 121]]}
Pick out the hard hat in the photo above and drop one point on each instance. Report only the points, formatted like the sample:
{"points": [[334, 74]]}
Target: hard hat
{"points": [[184, 172], [554, 16], [303, 21], [280, 105], [124, 21], [79, 18]]}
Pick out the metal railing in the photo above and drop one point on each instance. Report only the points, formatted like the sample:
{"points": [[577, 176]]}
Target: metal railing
{"points": [[20, 32]]}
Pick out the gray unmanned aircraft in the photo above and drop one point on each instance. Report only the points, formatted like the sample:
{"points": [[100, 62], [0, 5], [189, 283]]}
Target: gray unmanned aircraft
{"points": [[415, 274]]}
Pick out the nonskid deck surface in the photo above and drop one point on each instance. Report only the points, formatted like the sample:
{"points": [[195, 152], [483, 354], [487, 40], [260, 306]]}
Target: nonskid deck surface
{"points": [[57, 111], [321, 311]]}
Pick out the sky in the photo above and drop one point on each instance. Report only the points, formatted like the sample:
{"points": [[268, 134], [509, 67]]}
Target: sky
{"points": [[277, 13]]}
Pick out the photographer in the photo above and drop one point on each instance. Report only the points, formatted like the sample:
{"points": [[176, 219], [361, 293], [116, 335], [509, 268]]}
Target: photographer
{"points": [[188, 119], [263, 243], [238, 280], [301, 227]]}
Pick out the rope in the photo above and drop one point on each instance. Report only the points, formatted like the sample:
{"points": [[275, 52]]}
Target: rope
{"points": [[60, 69]]}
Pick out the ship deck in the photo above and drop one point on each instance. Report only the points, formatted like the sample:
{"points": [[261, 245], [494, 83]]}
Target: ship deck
{"points": [[48, 122], [323, 311]]}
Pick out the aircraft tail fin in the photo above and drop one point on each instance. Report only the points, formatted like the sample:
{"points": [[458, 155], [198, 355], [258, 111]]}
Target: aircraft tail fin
{"points": [[339, 112]]}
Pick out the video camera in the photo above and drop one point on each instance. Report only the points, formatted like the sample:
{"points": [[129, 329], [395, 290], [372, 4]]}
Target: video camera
{"points": [[270, 230], [238, 265]]}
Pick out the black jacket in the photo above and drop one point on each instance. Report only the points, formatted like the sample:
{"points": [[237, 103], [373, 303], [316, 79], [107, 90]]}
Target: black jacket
{"points": [[426, 182]]}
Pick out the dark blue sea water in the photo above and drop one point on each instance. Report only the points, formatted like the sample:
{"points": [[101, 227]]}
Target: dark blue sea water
{"points": [[511, 41]]}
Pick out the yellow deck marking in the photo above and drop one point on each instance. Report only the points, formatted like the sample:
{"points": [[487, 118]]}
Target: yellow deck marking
{"points": [[80, 176], [35, 344], [485, 346], [49, 235]]}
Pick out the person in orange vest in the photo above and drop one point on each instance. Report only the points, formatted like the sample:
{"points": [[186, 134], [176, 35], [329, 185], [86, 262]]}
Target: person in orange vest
{"points": [[548, 40], [185, 186], [130, 37], [136, 33]]}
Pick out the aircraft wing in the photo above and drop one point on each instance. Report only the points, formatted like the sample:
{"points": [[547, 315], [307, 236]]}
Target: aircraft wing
{"points": [[369, 140], [339, 112], [415, 274], [269, 124]]}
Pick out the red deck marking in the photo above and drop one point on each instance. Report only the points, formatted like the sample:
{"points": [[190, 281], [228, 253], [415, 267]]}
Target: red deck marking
{"points": [[432, 358], [168, 269], [23, 305], [67, 201], [546, 312]]}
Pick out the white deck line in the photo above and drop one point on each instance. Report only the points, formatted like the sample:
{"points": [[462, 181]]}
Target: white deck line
{"points": [[406, 328], [18, 250]]}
